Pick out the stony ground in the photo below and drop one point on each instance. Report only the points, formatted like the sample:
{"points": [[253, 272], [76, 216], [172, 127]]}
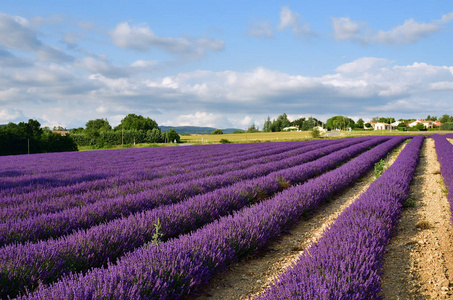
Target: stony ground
{"points": [[419, 261], [252, 275]]}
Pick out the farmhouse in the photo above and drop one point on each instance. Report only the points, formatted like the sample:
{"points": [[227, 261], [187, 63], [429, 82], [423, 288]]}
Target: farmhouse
{"points": [[382, 126]]}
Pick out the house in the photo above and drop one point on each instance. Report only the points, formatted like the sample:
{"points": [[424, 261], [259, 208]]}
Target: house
{"points": [[437, 124], [428, 124], [412, 124], [396, 123], [291, 128], [381, 126]]}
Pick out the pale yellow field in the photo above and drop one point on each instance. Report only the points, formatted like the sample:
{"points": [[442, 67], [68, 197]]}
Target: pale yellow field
{"points": [[246, 137], [285, 136]]}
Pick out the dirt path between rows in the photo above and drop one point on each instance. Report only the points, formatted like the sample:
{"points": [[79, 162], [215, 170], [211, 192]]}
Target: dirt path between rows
{"points": [[419, 259], [254, 274]]}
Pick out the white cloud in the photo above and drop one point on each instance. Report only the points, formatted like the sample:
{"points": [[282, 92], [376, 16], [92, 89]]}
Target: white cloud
{"points": [[199, 118], [142, 38], [290, 19], [362, 65], [17, 34], [345, 29], [262, 29], [10, 115], [410, 31]]}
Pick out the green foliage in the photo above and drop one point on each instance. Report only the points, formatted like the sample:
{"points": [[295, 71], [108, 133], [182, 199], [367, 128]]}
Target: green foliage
{"points": [[339, 122], [253, 128], [172, 136], [359, 123], [367, 125], [410, 202], [134, 122], [315, 133], [29, 137], [217, 131], [224, 141], [282, 121], [420, 127], [380, 167], [446, 119], [157, 233], [97, 125], [267, 125], [55, 142], [447, 126], [238, 131]]}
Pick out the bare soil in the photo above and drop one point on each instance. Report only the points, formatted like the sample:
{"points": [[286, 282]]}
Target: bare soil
{"points": [[419, 260], [252, 275]]}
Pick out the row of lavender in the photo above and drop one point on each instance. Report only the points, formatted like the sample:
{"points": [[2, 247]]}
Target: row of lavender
{"points": [[346, 262], [60, 198], [24, 265], [178, 266], [44, 226], [118, 166], [444, 151]]}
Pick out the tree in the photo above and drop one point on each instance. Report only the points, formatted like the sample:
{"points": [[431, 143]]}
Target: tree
{"points": [[386, 120], [267, 125], [339, 122], [420, 127], [283, 121], [97, 125], [134, 122], [315, 132], [217, 131], [429, 118], [446, 119], [253, 128], [359, 123], [299, 123], [367, 125], [172, 136]]}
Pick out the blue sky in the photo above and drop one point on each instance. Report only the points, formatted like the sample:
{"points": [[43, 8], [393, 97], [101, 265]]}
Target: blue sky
{"points": [[223, 63]]}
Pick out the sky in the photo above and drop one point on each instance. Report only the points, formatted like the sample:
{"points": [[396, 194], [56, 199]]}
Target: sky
{"points": [[224, 64]]}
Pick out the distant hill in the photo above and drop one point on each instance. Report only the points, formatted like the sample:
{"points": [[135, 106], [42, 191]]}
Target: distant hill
{"points": [[196, 130]]}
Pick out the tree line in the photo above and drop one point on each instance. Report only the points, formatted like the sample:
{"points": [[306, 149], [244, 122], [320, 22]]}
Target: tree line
{"points": [[133, 129], [29, 137]]}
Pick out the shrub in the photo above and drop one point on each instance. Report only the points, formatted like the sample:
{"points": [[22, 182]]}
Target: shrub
{"points": [[447, 126], [224, 141], [315, 133], [217, 131]]}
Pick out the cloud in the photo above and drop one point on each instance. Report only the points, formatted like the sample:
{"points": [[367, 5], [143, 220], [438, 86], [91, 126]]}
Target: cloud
{"points": [[142, 38], [290, 19], [199, 118], [10, 115], [17, 34], [362, 65], [408, 32], [262, 29]]}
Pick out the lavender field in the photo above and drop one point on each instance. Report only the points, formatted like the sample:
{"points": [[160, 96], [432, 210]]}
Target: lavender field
{"points": [[158, 223]]}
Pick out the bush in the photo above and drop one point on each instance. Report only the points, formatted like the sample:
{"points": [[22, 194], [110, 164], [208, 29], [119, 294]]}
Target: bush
{"points": [[217, 131], [315, 133], [224, 141], [447, 126], [239, 131]]}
